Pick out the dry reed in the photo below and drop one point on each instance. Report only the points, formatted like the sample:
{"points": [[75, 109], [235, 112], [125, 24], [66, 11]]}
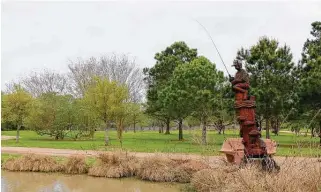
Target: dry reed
{"points": [[35, 163], [164, 169], [295, 175], [115, 165], [76, 165]]}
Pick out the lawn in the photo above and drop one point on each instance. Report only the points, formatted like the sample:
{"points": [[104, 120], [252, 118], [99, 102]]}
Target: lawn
{"points": [[152, 141]]}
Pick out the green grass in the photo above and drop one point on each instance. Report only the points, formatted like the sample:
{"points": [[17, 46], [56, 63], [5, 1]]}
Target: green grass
{"points": [[5, 157], [152, 141]]}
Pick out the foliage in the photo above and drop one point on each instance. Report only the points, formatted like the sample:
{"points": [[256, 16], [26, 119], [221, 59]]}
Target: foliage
{"points": [[14, 107], [158, 76], [52, 115], [134, 115], [272, 82], [86, 121], [193, 90], [310, 75], [106, 99]]}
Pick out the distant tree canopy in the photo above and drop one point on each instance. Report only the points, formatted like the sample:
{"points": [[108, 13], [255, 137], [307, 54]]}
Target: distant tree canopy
{"points": [[71, 105]]}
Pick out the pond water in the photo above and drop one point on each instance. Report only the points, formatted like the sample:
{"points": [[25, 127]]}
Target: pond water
{"points": [[54, 182]]}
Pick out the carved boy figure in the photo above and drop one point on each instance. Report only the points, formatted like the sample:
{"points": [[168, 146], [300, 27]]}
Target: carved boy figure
{"points": [[241, 80]]}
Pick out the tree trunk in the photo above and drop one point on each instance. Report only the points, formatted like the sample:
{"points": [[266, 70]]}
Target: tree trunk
{"points": [[260, 125], [267, 126], [167, 126], [204, 133], [180, 130], [277, 126], [320, 132], [18, 133], [134, 127], [106, 134], [92, 133], [120, 132]]}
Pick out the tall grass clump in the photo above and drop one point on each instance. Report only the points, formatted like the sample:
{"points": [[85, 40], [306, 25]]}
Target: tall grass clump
{"points": [[115, 165], [76, 165], [165, 169], [32, 162], [295, 175]]}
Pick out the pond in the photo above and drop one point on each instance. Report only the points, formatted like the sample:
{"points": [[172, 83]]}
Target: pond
{"points": [[55, 182]]}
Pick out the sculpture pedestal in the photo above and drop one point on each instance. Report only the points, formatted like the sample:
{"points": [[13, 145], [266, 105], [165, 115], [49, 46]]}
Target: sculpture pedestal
{"points": [[233, 148]]}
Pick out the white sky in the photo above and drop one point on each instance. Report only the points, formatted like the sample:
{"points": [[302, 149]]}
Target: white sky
{"points": [[38, 35]]}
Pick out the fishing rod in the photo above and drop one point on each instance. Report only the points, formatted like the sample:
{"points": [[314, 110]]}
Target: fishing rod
{"points": [[214, 46]]}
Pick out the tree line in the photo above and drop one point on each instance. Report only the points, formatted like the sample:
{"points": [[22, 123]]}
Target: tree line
{"points": [[183, 84], [105, 92], [182, 87]]}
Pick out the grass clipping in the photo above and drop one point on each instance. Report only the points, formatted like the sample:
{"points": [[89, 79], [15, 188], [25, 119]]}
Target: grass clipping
{"points": [[162, 169], [32, 162], [76, 165], [295, 175], [115, 165]]}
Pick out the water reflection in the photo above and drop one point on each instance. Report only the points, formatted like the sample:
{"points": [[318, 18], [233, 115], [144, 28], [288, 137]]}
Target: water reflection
{"points": [[52, 182]]}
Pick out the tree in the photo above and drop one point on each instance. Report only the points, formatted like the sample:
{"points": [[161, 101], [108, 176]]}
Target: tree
{"points": [[310, 75], [270, 67], [158, 76], [46, 81], [195, 89], [134, 115], [81, 75], [119, 109], [52, 114], [15, 107], [119, 68], [86, 120], [103, 97]]}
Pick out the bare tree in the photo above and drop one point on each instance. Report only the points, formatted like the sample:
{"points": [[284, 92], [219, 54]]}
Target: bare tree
{"points": [[119, 68], [122, 69], [81, 74], [46, 81], [11, 87]]}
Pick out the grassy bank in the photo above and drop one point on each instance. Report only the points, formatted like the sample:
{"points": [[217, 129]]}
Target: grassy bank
{"points": [[152, 141], [296, 174], [111, 165]]}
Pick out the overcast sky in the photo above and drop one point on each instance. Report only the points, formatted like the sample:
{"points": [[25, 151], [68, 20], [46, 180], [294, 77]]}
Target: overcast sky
{"points": [[38, 35]]}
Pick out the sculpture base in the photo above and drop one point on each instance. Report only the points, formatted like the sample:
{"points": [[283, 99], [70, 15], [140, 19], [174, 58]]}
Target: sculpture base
{"points": [[233, 148]]}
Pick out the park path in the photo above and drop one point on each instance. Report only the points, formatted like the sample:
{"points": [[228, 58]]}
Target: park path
{"points": [[4, 137]]}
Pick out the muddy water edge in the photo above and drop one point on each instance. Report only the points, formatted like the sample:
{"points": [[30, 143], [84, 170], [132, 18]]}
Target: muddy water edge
{"points": [[34, 181]]}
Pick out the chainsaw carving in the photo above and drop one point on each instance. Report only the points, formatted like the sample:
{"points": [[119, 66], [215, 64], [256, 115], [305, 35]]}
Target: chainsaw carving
{"points": [[250, 146]]}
